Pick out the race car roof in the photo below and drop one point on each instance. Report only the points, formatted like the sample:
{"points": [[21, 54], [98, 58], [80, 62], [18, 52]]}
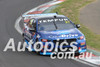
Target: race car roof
{"points": [[41, 15]]}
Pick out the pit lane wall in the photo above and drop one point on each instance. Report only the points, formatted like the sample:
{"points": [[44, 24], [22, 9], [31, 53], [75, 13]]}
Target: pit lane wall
{"points": [[41, 9]]}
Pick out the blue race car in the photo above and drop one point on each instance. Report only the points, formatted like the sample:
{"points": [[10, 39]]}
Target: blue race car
{"points": [[52, 27]]}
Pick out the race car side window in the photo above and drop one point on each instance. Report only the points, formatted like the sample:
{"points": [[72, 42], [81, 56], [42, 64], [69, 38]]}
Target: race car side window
{"points": [[31, 24], [34, 26]]}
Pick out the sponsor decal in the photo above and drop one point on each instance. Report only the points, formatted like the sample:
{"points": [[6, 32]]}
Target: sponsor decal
{"points": [[52, 20], [67, 35]]}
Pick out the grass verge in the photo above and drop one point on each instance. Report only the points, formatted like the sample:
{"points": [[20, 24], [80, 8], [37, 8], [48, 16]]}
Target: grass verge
{"points": [[71, 9]]}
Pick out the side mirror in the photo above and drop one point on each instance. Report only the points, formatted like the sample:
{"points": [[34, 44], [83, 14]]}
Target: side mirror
{"points": [[77, 25], [32, 30]]}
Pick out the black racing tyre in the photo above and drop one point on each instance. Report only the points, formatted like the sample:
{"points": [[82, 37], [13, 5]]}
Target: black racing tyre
{"points": [[38, 52]]}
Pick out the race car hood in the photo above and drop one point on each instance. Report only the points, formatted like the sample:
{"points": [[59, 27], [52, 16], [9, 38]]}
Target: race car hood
{"points": [[60, 34]]}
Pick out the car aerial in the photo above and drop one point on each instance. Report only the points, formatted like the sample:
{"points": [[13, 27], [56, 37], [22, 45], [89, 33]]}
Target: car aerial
{"points": [[51, 27]]}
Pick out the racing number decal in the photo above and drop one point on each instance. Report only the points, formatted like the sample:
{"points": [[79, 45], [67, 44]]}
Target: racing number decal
{"points": [[67, 22]]}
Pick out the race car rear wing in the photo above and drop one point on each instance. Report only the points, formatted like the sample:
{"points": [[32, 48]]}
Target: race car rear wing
{"points": [[39, 15]]}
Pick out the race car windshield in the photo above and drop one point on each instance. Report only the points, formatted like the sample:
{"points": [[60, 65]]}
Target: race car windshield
{"points": [[51, 24]]}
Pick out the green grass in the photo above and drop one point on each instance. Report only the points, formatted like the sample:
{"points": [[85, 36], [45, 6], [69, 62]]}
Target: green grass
{"points": [[71, 9]]}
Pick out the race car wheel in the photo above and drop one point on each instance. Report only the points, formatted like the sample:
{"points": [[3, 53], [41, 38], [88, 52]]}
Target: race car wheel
{"points": [[37, 47]]}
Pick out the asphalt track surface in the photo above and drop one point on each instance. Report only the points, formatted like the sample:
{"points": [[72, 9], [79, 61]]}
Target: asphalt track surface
{"points": [[90, 16], [10, 10]]}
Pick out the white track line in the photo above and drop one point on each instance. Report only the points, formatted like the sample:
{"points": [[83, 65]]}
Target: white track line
{"points": [[87, 63], [17, 26]]}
